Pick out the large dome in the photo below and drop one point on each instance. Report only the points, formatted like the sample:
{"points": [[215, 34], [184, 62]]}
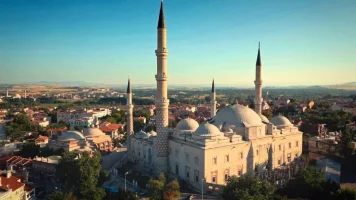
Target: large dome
{"points": [[238, 116], [91, 132], [205, 129], [141, 134], [187, 124], [280, 121], [71, 135]]}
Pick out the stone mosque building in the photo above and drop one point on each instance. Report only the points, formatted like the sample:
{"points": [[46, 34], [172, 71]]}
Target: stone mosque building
{"points": [[235, 141]]}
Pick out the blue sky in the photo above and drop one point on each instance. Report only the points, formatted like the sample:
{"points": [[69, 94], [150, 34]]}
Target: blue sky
{"points": [[303, 42]]}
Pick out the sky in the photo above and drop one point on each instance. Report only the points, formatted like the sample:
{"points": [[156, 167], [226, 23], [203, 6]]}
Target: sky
{"points": [[303, 42]]}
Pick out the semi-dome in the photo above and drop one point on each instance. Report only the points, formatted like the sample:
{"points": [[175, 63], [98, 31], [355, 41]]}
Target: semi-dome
{"points": [[264, 118], [141, 134], [280, 121], [237, 115], [187, 124], [205, 129], [91, 132], [71, 135]]}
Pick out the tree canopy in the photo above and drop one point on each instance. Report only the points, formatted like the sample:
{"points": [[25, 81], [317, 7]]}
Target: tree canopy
{"points": [[247, 187], [161, 189], [81, 175]]}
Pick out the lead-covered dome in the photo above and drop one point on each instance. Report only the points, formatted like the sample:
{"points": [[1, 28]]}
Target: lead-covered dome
{"points": [[237, 115], [92, 132], [264, 118], [71, 135], [280, 121], [206, 130], [187, 124]]}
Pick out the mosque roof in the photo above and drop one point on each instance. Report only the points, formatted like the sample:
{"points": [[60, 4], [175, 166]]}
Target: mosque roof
{"points": [[238, 116], [280, 121], [187, 124], [71, 135], [264, 118], [92, 132], [205, 129]]}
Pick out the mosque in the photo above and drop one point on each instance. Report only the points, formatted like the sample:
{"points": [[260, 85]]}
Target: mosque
{"points": [[235, 141]]}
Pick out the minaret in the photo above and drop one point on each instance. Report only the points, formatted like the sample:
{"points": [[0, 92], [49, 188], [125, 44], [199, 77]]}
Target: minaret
{"points": [[129, 126], [258, 83], [7, 92], [25, 94], [213, 101], [162, 100]]}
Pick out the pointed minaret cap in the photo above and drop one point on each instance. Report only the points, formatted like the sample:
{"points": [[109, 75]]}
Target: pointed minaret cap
{"points": [[128, 91], [161, 21], [258, 61], [213, 87]]}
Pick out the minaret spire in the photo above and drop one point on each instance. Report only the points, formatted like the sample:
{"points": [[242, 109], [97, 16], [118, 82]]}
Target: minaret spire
{"points": [[129, 106], [258, 83], [212, 100], [161, 20], [162, 101]]}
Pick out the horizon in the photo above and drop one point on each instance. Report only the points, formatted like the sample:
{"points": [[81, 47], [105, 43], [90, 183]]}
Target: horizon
{"points": [[89, 42]]}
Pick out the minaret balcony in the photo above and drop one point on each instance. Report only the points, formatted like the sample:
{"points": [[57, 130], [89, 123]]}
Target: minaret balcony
{"points": [[161, 52], [161, 77], [162, 101]]}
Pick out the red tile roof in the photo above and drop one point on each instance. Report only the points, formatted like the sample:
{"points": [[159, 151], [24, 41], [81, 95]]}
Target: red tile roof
{"points": [[110, 127], [42, 138], [17, 160], [12, 182]]}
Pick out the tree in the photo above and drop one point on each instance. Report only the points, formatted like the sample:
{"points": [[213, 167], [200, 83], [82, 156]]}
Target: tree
{"points": [[61, 196], [345, 194], [127, 195], [247, 187], [268, 114], [171, 190], [103, 177], [29, 150], [311, 184], [344, 144], [159, 189]]}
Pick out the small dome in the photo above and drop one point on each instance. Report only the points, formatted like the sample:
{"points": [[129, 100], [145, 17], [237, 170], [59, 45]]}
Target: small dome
{"points": [[264, 118], [280, 121], [187, 124], [237, 115], [71, 135], [91, 132], [141, 134], [205, 130]]}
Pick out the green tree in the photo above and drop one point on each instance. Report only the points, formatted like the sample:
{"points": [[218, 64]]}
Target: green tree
{"points": [[81, 175], [171, 190], [127, 195], [61, 196], [247, 187], [345, 194], [29, 150], [311, 184], [344, 144], [159, 188], [103, 177]]}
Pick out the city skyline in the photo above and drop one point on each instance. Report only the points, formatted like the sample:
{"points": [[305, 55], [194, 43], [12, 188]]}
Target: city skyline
{"points": [[103, 43]]}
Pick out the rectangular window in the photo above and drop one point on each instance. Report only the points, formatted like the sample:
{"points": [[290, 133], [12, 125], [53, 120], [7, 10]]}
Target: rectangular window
{"points": [[213, 179], [296, 144], [257, 152], [227, 158], [187, 175], [279, 162], [296, 155], [226, 177], [187, 157], [280, 147], [239, 172], [290, 145], [196, 174], [241, 155], [215, 160]]}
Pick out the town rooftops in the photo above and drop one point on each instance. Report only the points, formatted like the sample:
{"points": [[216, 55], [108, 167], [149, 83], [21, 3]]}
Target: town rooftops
{"points": [[12, 183]]}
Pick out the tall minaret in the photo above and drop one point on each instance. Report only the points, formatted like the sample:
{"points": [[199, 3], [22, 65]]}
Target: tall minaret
{"points": [[25, 94], [7, 92], [162, 100], [129, 126], [258, 83], [213, 101]]}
